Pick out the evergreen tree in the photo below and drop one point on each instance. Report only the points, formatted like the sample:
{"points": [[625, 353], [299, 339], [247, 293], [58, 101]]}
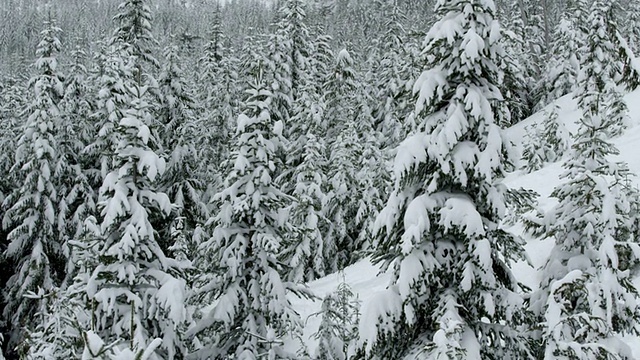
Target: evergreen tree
{"points": [[548, 144], [252, 313], [338, 329], [533, 153], [179, 135], [344, 127], [288, 60], [392, 78], [134, 33], [452, 293], [304, 252], [632, 27], [31, 208], [601, 67], [561, 73], [217, 98], [79, 196], [58, 332], [519, 63], [586, 299], [137, 292]]}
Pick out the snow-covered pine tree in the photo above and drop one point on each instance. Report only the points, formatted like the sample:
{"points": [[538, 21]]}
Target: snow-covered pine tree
{"points": [[533, 152], [452, 293], [587, 300], [561, 74], [555, 135], [629, 76], [373, 178], [111, 102], [137, 293], [179, 133], [134, 33], [252, 313], [601, 67], [632, 25], [13, 94], [338, 331], [76, 189], [519, 66], [342, 124], [548, 144], [67, 312], [339, 90], [305, 177], [288, 60], [31, 208], [321, 63], [304, 252], [217, 95], [393, 77], [79, 105], [58, 333]]}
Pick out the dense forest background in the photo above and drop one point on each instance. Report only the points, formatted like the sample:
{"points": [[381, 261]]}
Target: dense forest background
{"points": [[173, 171]]}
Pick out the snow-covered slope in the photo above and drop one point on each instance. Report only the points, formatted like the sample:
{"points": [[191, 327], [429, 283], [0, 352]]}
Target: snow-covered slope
{"points": [[366, 280]]}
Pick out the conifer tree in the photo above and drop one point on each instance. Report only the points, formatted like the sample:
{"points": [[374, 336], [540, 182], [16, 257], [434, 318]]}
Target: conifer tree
{"points": [[57, 334], [632, 27], [252, 313], [304, 252], [288, 59], [546, 144], [597, 89], [338, 329], [134, 33], [586, 300], [521, 48], [31, 208], [533, 153], [452, 293], [178, 135], [76, 190], [137, 293], [392, 76], [218, 96], [12, 98], [560, 75]]}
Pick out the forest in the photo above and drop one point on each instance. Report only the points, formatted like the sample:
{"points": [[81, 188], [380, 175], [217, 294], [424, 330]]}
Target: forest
{"points": [[175, 173]]}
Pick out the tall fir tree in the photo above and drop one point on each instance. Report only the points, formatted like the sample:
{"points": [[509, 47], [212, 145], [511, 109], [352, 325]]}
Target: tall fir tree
{"points": [[586, 300], [304, 251], [392, 77], [561, 73], [345, 145], [77, 198], [252, 313], [137, 293], [601, 69], [31, 208], [133, 33], [177, 114], [218, 97], [452, 293]]}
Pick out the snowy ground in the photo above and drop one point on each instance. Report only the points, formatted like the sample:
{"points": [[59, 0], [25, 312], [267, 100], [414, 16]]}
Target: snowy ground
{"points": [[366, 280]]}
